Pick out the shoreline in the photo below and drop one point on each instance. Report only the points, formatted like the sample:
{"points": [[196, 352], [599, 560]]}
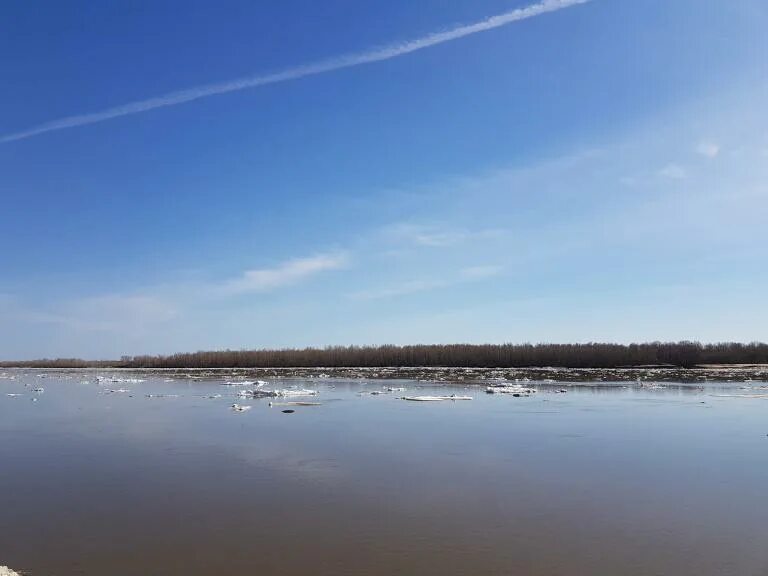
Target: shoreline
{"points": [[465, 375]]}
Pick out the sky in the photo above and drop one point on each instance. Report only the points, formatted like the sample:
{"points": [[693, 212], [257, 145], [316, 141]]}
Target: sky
{"points": [[209, 175]]}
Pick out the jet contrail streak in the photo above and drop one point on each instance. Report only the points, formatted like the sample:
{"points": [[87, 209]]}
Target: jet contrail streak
{"points": [[347, 61]]}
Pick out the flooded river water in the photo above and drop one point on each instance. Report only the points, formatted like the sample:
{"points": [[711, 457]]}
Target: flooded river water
{"points": [[164, 478]]}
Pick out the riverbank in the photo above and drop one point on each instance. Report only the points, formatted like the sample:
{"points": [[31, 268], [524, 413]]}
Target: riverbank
{"points": [[468, 375]]}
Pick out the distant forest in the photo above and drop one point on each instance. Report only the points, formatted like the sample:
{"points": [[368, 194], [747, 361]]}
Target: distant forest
{"points": [[593, 355]]}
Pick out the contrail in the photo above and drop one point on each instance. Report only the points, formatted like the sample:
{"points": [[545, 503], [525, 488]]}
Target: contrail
{"points": [[346, 61]]}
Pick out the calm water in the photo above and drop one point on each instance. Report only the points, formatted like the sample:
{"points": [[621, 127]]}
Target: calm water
{"points": [[598, 481]]}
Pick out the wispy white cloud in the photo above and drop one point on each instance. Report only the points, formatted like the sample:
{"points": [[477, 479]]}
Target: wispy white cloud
{"points": [[568, 255], [110, 312], [480, 272], [437, 236], [285, 274], [398, 289], [673, 171], [468, 274], [439, 239], [136, 313], [708, 148], [338, 63]]}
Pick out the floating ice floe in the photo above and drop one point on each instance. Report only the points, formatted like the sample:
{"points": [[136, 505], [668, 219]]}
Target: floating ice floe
{"points": [[240, 407], [12, 395], [435, 398], [651, 385], [256, 383], [116, 380], [38, 390], [509, 389], [291, 392], [386, 390], [286, 392], [5, 571]]}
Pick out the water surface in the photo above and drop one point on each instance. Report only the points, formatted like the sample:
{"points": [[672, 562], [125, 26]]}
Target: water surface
{"points": [[608, 480]]}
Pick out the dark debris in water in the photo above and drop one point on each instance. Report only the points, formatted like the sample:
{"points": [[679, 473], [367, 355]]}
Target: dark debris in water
{"points": [[553, 375]]}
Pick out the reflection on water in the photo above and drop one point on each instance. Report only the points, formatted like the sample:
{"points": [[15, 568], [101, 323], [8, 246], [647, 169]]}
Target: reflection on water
{"points": [[614, 481]]}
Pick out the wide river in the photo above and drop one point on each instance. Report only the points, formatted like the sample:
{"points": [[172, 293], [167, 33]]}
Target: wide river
{"points": [[601, 480]]}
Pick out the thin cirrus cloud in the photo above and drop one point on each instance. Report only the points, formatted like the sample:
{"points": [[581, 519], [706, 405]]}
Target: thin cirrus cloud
{"points": [[286, 274], [313, 69], [673, 172], [480, 272], [708, 148], [399, 289], [111, 313], [469, 274], [443, 236], [135, 313]]}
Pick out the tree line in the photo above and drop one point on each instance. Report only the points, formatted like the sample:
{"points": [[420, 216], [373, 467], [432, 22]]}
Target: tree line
{"points": [[590, 355]]}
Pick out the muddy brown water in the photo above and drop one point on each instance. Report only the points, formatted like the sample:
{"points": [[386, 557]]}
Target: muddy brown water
{"points": [[598, 481]]}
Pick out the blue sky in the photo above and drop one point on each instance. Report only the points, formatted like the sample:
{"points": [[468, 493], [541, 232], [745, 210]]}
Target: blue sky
{"points": [[595, 172]]}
